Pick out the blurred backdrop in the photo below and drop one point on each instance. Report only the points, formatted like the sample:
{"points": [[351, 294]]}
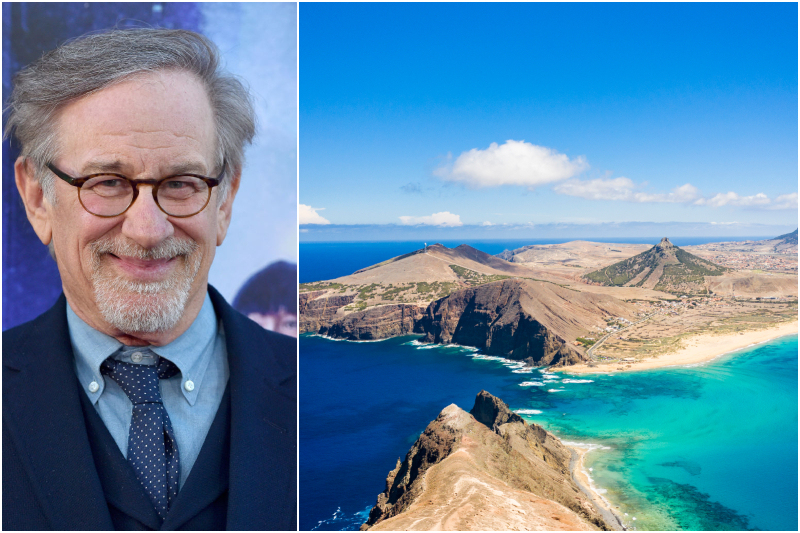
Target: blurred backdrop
{"points": [[258, 42]]}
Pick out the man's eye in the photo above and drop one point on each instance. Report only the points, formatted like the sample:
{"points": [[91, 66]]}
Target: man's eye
{"points": [[110, 183], [188, 185]]}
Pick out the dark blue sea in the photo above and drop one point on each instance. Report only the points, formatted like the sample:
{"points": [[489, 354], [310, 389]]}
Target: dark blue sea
{"points": [[708, 447]]}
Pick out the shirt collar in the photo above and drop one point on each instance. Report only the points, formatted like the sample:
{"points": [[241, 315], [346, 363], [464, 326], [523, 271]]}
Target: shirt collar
{"points": [[191, 352]]}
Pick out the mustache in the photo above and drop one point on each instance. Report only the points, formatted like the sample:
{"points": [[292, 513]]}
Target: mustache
{"points": [[166, 249]]}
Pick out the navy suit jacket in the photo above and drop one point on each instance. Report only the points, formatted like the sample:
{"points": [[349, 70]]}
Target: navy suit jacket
{"points": [[50, 480]]}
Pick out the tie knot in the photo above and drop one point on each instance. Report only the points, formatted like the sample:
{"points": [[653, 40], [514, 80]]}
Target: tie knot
{"points": [[139, 382]]}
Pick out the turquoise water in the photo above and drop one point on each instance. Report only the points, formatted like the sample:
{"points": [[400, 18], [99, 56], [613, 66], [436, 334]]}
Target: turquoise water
{"points": [[711, 447], [704, 448]]}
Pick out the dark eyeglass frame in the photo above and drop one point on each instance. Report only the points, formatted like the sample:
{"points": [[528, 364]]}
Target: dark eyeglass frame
{"points": [[78, 182]]}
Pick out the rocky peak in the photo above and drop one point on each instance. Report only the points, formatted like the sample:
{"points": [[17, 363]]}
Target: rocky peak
{"points": [[664, 244], [492, 412]]}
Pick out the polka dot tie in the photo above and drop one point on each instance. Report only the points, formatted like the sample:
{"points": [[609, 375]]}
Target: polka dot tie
{"points": [[152, 449]]}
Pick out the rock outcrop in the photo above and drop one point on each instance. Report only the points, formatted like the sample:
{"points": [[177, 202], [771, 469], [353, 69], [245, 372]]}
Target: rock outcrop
{"points": [[492, 412], [488, 470], [374, 323], [318, 310], [520, 319]]}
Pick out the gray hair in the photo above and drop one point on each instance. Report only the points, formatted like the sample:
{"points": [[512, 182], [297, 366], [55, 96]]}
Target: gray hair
{"points": [[93, 62]]}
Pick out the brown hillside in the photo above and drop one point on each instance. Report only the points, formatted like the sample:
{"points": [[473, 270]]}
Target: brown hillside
{"points": [[484, 470]]}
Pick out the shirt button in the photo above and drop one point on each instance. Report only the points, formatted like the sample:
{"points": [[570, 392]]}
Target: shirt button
{"points": [[136, 357], [94, 387], [189, 385]]}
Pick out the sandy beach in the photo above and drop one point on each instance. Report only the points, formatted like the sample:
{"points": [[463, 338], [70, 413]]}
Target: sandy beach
{"points": [[697, 349], [584, 481]]}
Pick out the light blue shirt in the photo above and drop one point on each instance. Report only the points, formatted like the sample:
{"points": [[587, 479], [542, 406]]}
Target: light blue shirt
{"points": [[191, 398]]}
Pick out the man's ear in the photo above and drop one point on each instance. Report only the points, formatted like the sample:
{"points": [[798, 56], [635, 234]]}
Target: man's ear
{"points": [[226, 208], [37, 207]]}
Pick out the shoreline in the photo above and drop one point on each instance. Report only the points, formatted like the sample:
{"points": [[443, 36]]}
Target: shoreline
{"points": [[698, 349], [582, 478]]}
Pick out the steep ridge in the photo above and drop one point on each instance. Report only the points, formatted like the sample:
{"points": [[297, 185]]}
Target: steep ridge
{"points": [[521, 319], [663, 267], [484, 470], [463, 252], [787, 238]]}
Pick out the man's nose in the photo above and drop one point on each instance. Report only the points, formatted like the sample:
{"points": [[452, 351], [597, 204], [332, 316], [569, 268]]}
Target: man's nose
{"points": [[145, 223]]}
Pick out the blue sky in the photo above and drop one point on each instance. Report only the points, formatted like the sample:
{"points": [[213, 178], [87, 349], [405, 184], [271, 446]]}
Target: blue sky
{"points": [[450, 115]]}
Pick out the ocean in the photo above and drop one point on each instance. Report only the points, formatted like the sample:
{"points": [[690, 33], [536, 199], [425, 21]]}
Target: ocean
{"points": [[706, 447]]}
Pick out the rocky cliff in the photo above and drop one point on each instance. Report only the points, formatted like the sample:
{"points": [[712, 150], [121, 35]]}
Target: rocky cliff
{"points": [[520, 319], [317, 310], [374, 323], [484, 470]]}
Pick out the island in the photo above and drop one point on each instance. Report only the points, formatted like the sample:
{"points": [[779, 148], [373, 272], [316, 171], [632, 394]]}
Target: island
{"points": [[579, 306]]}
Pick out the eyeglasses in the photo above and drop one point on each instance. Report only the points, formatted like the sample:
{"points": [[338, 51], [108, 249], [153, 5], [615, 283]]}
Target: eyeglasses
{"points": [[109, 195]]}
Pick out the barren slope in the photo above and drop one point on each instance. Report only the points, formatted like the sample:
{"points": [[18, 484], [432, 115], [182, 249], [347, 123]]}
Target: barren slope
{"points": [[484, 470], [583, 254], [750, 285], [522, 319]]}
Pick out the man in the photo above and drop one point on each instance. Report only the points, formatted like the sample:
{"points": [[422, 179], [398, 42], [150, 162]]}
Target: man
{"points": [[141, 400]]}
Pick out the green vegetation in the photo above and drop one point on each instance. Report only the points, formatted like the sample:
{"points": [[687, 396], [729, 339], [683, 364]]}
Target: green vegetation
{"points": [[621, 273], [685, 275], [357, 306], [320, 286], [473, 279], [585, 342], [364, 293]]}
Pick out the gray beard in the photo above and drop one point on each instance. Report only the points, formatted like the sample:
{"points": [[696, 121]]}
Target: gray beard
{"points": [[143, 307]]}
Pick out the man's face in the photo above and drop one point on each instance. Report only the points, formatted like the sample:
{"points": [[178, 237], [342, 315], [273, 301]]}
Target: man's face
{"points": [[142, 271]]}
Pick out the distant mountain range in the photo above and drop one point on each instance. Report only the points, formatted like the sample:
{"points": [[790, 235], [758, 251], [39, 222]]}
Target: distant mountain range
{"points": [[787, 238], [664, 267]]}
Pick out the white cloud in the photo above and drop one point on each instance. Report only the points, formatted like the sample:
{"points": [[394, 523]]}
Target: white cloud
{"points": [[444, 219], [487, 223], [623, 189], [512, 163], [309, 215], [785, 201], [731, 198]]}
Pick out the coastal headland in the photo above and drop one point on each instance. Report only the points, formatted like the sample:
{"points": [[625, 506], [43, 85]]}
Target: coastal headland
{"points": [[488, 469], [591, 307]]}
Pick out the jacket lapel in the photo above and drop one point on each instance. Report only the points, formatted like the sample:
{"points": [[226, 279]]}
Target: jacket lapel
{"points": [[122, 488], [42, 411], [208, 479], [263, 439]]}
